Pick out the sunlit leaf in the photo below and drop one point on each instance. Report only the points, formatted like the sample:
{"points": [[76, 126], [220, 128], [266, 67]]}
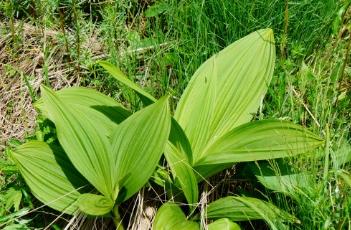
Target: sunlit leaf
{"points": [[171, 217], [226, 90], [95, 205], [260, 140], [137, 145], [280, 178], [247, 208], [223, 224], [104, 108], [84, 143], [179, 157], [50, 175]]}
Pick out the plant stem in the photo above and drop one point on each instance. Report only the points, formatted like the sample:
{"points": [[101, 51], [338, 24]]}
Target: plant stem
{"points": [[326, 161], [117, 219]]}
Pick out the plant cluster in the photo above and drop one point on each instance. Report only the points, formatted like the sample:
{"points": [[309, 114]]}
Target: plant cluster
{"points": [[105, 153]]}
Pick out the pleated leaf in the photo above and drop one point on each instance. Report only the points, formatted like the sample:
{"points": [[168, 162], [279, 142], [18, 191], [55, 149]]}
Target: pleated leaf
{"points": [[105, 109], [50, 175], [179, 157], [137, 145], [178, 151], [95, 205], [223, 224], [280, 178], [171, 217], [81, 137], [260, 140], [248, 208], [226, 89]]}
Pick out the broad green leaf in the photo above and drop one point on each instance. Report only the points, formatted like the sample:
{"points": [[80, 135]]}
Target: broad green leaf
{"points": [[178, 151], [223, 224], [260, 140], [137, 145], [248, 208], [280, 178], [171, 217], [121, 77], [290, 184], [179, 157], [81, 137], [226, 90], [104, 108], [182, 172], [50, 175], [95, 205]]}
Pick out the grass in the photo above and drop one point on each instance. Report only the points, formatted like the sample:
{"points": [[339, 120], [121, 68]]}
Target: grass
{"points": [[160, 44]]}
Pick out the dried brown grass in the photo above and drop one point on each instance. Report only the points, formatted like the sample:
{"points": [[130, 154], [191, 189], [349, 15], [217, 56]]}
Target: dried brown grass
{"points": [[23, 57]]}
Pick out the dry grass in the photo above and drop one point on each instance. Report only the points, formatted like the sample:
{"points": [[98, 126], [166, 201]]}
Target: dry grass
{"points": [[23, 68]]}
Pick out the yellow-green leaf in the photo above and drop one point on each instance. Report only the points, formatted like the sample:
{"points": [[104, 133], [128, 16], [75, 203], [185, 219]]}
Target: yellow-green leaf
{"points": [[95, 205], [50, 175], [171, 217], [226, 90], [137, 145], [179, 157], [81, 137], [223, 224], [104, 108], [247, 208], [260, 140]]}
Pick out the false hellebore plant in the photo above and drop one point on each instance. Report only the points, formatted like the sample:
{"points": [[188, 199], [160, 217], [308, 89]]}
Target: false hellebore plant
{"points": [[105, 154], [211, 128]]}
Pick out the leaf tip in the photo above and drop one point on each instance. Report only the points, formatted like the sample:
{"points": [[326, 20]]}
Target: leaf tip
{"points": [[267, 34]]}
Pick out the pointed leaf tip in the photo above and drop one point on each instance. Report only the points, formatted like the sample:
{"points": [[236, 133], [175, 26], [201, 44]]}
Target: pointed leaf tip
{"points": [[267, 34]]}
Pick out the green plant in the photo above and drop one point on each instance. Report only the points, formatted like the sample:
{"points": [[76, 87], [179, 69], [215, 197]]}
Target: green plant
{"points": [[104, 155], [14, 199], [214, 112], [223, 212]]}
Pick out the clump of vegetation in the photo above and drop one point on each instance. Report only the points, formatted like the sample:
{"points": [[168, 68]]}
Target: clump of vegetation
{"points": [[220, 167]]}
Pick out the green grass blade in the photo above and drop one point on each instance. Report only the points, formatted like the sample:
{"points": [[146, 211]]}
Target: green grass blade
{"points": [[122, 78]]}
